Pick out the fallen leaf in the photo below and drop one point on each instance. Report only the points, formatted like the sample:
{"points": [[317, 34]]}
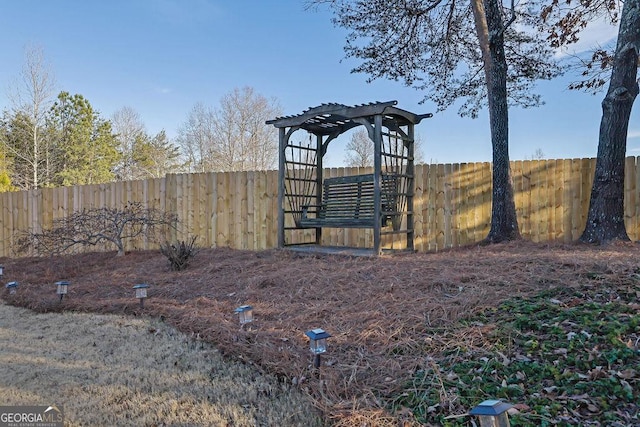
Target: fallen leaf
{"points": [[597, 372], [505, 360], [404, 411], [579, 397], [627, 387], [522, 407], [627, 374]]}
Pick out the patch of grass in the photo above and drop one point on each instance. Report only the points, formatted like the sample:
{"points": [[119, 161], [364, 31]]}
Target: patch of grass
{"points": [[565, 357], [107, 370]]}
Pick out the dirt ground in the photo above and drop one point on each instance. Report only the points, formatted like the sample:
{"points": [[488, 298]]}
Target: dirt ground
{"points": [[387, 316]]}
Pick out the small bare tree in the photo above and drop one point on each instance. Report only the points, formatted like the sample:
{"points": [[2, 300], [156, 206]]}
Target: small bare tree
{"points": [[196, 137], [90, 227], [359, 150], [537, 155], [243, 140], [128, 128], [31, 96]]}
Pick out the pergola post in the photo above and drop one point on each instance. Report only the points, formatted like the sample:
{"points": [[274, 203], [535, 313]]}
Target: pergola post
{"points": [[319, 177], [411, 187], [377, 172], [282, 142]]}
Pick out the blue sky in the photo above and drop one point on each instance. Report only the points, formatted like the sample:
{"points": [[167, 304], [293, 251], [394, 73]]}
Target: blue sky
{"points": [[160, 57]]}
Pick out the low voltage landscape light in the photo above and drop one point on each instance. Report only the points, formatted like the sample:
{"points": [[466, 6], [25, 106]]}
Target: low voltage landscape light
{"points": [[12, 287], [62, 288], [492, 413], [317, 344], [245, 314], [141, 292], [1, 270]]}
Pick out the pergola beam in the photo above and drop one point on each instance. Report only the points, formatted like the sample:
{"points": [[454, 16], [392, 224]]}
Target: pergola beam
{"points": [[327, 118]]}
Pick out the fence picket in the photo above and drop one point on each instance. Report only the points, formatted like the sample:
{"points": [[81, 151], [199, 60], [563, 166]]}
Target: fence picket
{"points": [[452, 205]]}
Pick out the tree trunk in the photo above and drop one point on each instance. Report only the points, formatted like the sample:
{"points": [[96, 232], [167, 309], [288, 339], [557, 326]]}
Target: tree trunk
{"points": [[605, 220], [489, 27]]}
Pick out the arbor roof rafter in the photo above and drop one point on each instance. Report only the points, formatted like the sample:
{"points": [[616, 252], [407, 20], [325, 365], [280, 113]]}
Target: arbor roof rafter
{"points": [[326, 119]]}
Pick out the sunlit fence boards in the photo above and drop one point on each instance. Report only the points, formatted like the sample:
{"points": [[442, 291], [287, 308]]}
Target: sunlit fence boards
{"points": [[452, 205]]}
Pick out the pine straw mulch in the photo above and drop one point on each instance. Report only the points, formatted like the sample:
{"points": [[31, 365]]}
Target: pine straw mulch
{"points": [[387, 316]]}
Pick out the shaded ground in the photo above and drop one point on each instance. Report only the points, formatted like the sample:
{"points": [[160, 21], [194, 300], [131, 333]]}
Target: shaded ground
{"points": [[388, 316]]}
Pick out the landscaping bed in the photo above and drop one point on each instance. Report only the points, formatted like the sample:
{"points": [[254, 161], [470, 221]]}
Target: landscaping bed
{"points": [[416, 338]]}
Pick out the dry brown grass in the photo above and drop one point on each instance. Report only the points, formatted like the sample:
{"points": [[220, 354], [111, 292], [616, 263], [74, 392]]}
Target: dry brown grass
{"points": [[388, 316], [124, 371]]}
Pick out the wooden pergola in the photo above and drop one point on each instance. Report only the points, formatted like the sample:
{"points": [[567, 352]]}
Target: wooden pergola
{"points": [[381, 201]]}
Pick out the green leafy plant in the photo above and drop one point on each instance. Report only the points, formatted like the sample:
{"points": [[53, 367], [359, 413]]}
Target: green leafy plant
{"points": [[564, 357]]}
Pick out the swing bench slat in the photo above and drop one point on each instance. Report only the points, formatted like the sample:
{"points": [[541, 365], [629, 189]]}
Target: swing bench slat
{"points": [[347, 202]]}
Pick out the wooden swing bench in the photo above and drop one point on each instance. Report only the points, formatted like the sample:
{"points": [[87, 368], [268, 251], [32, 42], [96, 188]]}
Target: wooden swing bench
{"points": [[348, 202]]}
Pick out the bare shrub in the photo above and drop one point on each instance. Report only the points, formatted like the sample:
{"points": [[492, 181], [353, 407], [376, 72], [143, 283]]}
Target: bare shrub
{"points": [[91, 227], [180, 254]]}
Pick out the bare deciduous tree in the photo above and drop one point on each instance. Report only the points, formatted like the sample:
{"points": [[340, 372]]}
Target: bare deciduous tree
{"points": [[234, 137], [128, 127], [244, 141], [196, 138], [537, 155], [359, 150], [31, 96], [94, 226]]}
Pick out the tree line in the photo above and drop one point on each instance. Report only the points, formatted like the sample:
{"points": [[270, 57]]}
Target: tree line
{"points": [[49, 140], [474, 53]]}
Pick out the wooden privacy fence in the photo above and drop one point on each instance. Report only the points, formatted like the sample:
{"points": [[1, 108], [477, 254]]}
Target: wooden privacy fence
{"points": [[239, 209]]}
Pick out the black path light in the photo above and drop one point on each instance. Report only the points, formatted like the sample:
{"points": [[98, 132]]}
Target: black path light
{"points": [[141, 292], [245, 314], [317, 344], [492, 413], [12, 287], [62, 287]]}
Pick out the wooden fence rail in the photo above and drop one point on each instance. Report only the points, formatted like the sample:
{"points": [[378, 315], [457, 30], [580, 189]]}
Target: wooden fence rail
{"points": [[239, 209]]}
